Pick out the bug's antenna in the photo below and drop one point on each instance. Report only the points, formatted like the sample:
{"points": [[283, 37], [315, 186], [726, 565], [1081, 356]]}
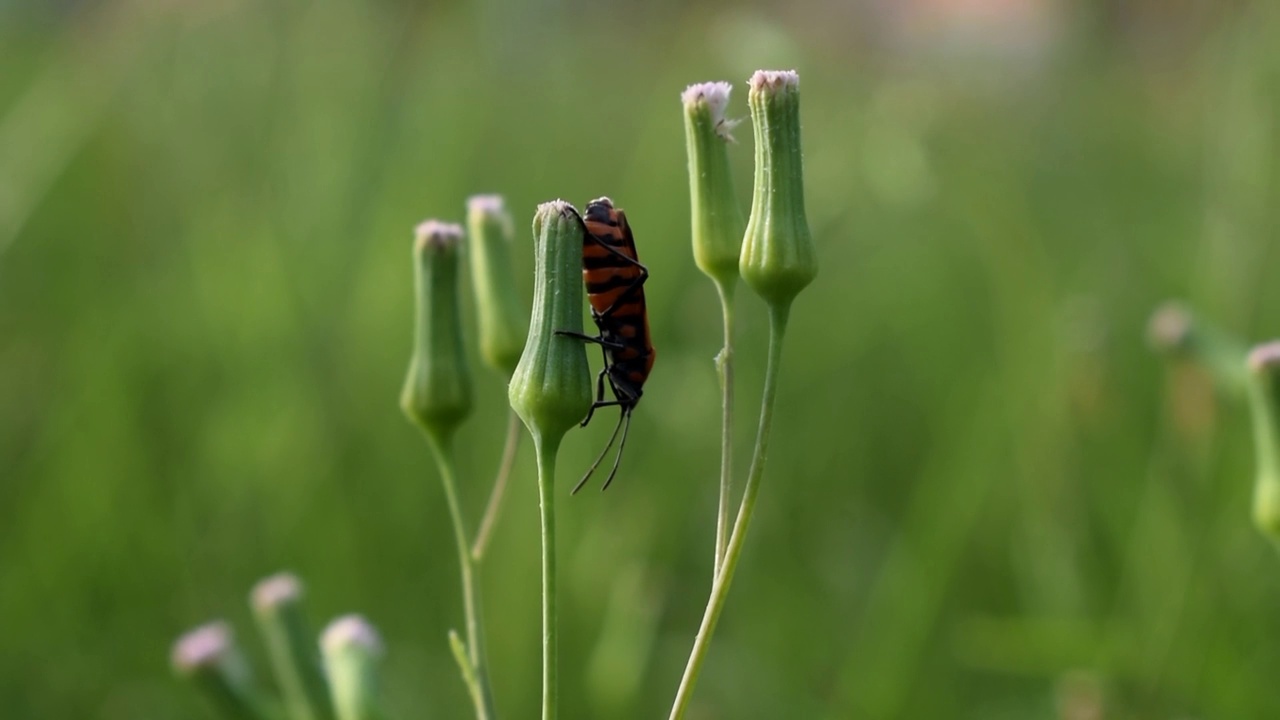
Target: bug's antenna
{"points": [[604, 452], [626, 413]]}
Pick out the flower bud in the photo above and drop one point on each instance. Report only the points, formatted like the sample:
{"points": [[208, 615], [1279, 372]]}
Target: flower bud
{"points": [[778, 258], [503, 322], [352, 652], [437, 391], [209, 658], [716, 215], [551, 387], [1264, 401], [277, 605]]}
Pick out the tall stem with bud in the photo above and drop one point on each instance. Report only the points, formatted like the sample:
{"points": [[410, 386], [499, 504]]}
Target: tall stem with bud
{"points": [[277, 605], [437, 397], [717, 241], [503, 323], [777, 262], [551, 391]]}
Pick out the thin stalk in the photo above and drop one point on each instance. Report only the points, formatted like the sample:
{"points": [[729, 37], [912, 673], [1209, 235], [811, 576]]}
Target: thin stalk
{"points": [[494, 508], [230, 705], [228, 701], [478, 677], [724, 578], [469, 678], [546, 451], [724, 368]]}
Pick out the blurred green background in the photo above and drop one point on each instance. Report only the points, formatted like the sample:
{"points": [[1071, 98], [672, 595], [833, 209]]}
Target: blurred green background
{"points": [[986, 498]]}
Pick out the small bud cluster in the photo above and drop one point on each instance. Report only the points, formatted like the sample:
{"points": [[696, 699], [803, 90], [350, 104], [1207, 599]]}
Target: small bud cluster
{"points": [[775, 254], [209, 658]]}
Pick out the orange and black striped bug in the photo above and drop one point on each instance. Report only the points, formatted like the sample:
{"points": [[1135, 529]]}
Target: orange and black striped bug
{"points": [[615, 280]]}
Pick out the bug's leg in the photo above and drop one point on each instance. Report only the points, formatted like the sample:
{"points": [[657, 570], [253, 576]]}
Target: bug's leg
{"points": [[571, 210], [625, 398], [604, 372], [604, 452], [610, 403], [615, 251], [600, 376], [597, 340], [605, 357]]}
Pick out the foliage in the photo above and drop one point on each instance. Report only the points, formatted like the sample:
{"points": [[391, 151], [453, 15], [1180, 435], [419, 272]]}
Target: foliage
{"points": [[982, 483]]}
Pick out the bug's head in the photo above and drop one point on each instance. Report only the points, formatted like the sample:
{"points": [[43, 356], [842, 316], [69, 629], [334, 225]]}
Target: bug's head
{"points": [[599, 210]]}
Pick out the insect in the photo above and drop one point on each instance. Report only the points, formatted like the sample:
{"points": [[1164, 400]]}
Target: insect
{"points": [[615, 280]]}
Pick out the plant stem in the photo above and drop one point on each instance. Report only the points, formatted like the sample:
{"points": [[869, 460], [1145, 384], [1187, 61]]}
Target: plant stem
{"points": [[724, 368], [778, 313], [478, 679], [494, 508], [459, 649], [546, 452], [228, 701]]}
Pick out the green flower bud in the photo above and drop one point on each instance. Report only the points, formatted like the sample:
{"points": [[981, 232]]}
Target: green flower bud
{"points": [[1176, 332], [277, 605], [717, 217], [1264, 401], [503, 321], [778, 258], [551, 387], [209, 658], [437, 391], [352, 652]]}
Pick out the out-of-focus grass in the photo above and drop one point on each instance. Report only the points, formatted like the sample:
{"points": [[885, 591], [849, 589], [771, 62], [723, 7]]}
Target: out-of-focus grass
{"points": [[980, 482]]}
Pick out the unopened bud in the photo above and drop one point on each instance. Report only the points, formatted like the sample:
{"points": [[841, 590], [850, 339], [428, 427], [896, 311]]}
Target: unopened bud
{"points": [[503, 321], [437, 391], [778, 258], [551, 387], [716, 214], [352, 652]]}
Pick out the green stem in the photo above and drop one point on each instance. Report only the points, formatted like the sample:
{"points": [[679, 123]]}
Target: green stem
{"points": [[494, 508], [228, 701], [720, 587], [1263, 399], [291, 646], [724, 368], [478, 677], [546, 451], [459, 649]]}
